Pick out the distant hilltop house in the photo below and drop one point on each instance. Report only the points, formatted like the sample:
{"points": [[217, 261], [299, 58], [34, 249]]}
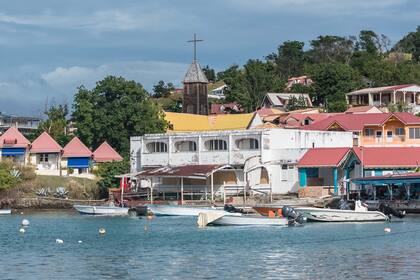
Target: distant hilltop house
{"points": [[226, 108], [280, 100], [218, 92], [384, 96], [25, 124], [302, 80]]}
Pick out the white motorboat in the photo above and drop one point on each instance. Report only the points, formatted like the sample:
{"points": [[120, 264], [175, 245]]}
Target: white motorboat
{"points": [[175, 210], [249, 220], [101, 210], [360, 214], [5, 211]]}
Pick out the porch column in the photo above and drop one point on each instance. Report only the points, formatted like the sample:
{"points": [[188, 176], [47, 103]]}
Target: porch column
{"points": [[151, 190], [302, 177], [335, 178], [394, 98], [347, 178], [404, 96], [380, 99], [182, 190], [370, 102], [211, 188]]}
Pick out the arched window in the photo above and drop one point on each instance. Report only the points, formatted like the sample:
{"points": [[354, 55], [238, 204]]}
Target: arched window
{"points": [[157, 147], [247, 144], [216, 145], [186, 146]]}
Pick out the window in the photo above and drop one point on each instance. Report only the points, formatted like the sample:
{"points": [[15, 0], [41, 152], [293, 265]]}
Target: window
{"points": [[378, 134], [43, 158], [157, 147], [414, 133], [216, 145], [368, 132], [186, 146], [247, 144], [284, 166], [312, 172], [376, 97], [399, 131], [307, 121], [389, 134]]}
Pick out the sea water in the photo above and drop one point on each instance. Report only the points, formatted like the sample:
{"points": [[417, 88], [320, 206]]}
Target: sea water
{"points": [[175, 248]]}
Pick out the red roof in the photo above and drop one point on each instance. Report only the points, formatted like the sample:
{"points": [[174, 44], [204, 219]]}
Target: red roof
{"points": [[14, 139], [105, 153], [356, 122], [323, 157], [185, 171], [360, 109], [75, 148], [45, 144], [372, 157], [295, 120]]}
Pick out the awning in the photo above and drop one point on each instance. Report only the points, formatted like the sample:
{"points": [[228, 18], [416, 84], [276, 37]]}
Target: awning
{"points": [[399, 179], [13, 152], [78, 162], [183, 171]]}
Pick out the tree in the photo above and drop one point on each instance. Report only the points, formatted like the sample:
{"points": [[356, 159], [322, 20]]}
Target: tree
{"points": [[295, 103], [289, 59], [107, 171], [55, 124], [331, 49], [410, 44], [162, 90], [115, 110], [331, 82], [210, 73]]}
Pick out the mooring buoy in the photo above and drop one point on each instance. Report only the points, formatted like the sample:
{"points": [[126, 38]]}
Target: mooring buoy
{"points": [[25, 223], [102, 231]]}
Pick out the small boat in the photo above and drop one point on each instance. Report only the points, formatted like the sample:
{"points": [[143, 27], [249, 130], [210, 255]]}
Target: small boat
{"points": [[249, 220], [175, 210], [101, 210], [360, 214], [5, 211]]}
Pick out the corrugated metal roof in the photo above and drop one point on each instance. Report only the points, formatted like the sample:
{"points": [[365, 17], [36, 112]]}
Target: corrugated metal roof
{"points": [[183, 171], [406, 88], [323, 157], [44, 143], [195, 74]]}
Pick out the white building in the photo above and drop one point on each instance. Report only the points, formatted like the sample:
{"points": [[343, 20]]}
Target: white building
{"points": [[258, 160]]}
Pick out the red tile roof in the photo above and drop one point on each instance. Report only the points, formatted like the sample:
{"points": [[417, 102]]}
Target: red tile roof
{"points": [[45, 144], [356, 122], [14, 139], [323, 157], [360, 109], [185, 171], [75, 148], [105, 153]]}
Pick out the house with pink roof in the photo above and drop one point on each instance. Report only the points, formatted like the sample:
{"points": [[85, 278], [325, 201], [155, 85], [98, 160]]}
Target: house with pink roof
{"points": [[105, 153], [45, 155], [76, 158], [14, 145]]}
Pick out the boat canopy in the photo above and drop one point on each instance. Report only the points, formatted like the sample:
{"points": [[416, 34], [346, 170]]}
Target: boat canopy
{"points": [[395, 179]]}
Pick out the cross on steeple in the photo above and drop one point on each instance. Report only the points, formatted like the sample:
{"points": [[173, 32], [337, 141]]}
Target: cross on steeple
{"points": [[195, 40]]}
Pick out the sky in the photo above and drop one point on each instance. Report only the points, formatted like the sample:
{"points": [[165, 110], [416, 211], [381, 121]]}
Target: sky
{"points": [[48, 48]]}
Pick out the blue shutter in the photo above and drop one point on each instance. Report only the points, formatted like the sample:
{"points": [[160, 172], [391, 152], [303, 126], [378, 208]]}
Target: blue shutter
{"points": [[78, 162], [13, 152]]}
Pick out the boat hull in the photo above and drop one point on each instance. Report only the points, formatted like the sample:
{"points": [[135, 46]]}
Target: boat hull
{"points": [[337, 215], [173, 210], [101, 210], [5, 211], [249, 221]]}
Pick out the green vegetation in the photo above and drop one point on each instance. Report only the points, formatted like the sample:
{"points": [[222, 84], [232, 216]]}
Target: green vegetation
{"points": [[107, 171], [12, 175]]}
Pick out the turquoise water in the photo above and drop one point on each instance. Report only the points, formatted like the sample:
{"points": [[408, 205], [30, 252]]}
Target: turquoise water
{"points": [[174, 248]]}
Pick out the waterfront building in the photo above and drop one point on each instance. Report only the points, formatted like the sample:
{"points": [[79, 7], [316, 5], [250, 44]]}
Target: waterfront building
{"points": [[280, 100], [105, 153], [45, 155], [384, 129], [326, 171], [384, 96], [76, 158], [14, 145], [258, 160], [24, 124]]}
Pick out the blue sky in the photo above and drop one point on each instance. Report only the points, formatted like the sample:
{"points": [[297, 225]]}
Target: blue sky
{"points": [[48, 48]]}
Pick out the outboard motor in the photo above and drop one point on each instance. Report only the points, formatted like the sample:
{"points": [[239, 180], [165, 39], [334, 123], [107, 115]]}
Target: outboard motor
{"points": [[232, 209], [292, 215], [389, 211]]}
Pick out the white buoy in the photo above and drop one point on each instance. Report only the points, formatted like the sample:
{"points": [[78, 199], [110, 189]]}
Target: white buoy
{"points": [[22, 230], [25, 222], [387, 229], [80, 241], [102, 231], [59, 241]]}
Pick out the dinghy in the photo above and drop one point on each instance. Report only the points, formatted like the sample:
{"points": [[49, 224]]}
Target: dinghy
{"points": [[101, 210], [249, 220], [175, 210], [5, 211]]}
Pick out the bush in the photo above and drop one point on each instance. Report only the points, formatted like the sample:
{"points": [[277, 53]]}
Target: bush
{"points": [[7, 180], [107, 171]]}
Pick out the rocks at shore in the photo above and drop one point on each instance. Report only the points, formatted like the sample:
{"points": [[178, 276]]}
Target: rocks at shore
{"points": [[44, 203]]}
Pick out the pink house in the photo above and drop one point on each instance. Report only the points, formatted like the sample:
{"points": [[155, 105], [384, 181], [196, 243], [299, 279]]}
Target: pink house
{"points": [[14, 145], [76, 157], [45, 154], [105, 153]]}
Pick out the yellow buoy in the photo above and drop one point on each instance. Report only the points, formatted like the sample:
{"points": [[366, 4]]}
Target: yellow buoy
{"points": [[387, 229], [102, 231]]}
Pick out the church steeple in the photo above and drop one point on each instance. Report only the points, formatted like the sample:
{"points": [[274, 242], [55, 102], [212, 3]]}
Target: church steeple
{"points": [[194, 99]]}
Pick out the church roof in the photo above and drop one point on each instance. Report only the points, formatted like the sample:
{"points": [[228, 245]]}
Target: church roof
{"points": [[45, 144], [105, 153], [195, 74]]}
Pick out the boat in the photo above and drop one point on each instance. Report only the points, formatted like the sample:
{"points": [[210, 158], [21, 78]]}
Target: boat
{"points": [[175, 210], [101, 210], [359, 214], [5, 211], [249, 220]]}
